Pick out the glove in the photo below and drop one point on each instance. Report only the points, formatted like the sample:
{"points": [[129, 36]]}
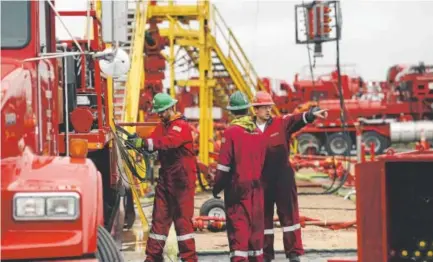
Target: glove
{"points": [[309, 115], [215, 193], [137, 142]]}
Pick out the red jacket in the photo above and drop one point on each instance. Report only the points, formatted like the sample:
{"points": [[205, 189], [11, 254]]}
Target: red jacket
{"points": [[174, 143], [278, 131], [241, 158]]}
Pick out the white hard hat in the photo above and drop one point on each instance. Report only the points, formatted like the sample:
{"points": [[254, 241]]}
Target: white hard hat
{"points": [[117, 66]]}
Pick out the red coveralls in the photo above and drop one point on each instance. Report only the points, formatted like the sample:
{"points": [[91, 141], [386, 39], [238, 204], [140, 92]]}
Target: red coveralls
{"points": [[280, 186], [238, 173], [174, 193]]}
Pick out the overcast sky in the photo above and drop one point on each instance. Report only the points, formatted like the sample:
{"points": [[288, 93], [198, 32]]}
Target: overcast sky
{"points": [[376, 34]]}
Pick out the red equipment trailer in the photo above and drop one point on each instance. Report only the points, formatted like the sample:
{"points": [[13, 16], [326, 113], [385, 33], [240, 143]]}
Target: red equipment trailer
{"points": [[395, 208], [399, 119], [288, 98], [53, 206]]}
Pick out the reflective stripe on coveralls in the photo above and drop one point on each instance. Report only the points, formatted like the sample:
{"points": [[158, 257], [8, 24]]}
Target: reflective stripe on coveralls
{"points": [[158, 237], [185, 237], [292, 228], [238, 253], [150, 144], [223, 168], [249, 253], [270, 231]]}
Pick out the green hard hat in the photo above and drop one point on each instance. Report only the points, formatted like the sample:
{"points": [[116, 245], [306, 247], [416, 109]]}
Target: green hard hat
{"points": [[238, 101], [162, 101]]}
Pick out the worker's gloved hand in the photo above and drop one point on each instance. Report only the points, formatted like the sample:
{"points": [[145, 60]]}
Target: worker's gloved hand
{"points": [[215, 193], [210, 177], [313, 113], [137, 142]]}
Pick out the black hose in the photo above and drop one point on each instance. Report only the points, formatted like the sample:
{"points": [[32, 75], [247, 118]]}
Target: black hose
{"points": [[331, 189], [126, 157]]}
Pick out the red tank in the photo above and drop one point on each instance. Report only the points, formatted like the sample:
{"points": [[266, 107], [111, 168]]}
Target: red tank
{"points": [[354, 108]]}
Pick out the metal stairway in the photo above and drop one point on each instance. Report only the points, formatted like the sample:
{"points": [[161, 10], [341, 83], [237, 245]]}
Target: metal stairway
{"points": [[230, 66], [119, 94], [224, 86]]}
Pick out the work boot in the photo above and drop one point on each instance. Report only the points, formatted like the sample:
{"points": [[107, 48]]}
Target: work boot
{"points": [[293, 257]]}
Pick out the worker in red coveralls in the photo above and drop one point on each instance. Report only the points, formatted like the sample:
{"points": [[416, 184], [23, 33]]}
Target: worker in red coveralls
{"points": [[238, 172], [174, 193], [278, 176]]}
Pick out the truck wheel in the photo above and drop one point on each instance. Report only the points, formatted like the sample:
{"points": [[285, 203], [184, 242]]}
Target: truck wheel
{"points": [[106, 247], [308, 144], [380, 142], [214, 208], [338, 144]]}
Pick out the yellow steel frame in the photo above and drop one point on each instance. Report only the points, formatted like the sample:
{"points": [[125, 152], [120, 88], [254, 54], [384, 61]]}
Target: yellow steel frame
{"points": [[135, 82], [199, 12], [236, 62], [136, 75]]}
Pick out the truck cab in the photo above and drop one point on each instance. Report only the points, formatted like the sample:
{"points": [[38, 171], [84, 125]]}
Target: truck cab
{"points": [[52, 205]]}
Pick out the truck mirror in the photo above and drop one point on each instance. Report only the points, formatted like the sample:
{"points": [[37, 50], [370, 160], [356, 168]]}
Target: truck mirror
{"points": [[114, 63]]}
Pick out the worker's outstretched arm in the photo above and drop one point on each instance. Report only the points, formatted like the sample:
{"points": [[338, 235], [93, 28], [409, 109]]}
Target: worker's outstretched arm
{"points": [[223, 175], [295, 122]]}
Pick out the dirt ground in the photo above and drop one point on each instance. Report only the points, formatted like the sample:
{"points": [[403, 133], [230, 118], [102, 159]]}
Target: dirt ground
{"points": [[327, 208], [324, 208]]}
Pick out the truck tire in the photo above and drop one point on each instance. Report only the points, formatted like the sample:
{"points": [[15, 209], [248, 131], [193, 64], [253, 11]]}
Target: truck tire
{"points": [[339, 144], [380, 142], [213, 208], [106, 247], [308, 144]]}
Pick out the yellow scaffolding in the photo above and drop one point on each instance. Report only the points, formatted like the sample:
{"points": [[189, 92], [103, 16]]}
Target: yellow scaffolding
{"points": [[135, 82], [235, 63]]}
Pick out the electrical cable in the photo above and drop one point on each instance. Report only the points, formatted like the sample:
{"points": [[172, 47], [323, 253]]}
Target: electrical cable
{"points": [[311, 66], [343, 111], [331, 189], [130, 166]]}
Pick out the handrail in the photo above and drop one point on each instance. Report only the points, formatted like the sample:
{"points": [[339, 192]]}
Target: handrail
{"points": [[131, 48], [236, 53], [244, 72], [133, 85], [219, 81], [136, 72]]}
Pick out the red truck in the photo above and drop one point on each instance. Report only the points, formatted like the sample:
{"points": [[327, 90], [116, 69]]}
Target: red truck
{"points": [[60, 189], [403, 115]]}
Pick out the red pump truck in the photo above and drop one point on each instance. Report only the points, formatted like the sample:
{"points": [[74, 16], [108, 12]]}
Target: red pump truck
{"points": [[60, 185], [403, 116]]}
